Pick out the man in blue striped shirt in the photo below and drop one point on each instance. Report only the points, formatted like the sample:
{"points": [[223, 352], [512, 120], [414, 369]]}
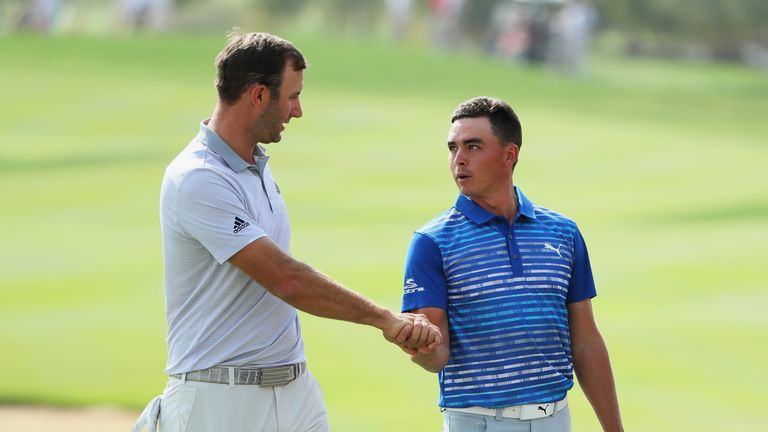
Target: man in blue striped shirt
{"points": [[510, 285]]}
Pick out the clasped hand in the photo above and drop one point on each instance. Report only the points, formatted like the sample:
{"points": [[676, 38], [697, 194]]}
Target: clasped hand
{"points": [[413, 333]]}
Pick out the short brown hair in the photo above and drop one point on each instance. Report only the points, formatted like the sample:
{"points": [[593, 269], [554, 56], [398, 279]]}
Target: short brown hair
{"points": [[254, 58], [504, 122]]}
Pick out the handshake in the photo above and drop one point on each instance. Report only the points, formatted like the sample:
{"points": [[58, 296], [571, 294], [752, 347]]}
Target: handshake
{"points": [[413, 333]]}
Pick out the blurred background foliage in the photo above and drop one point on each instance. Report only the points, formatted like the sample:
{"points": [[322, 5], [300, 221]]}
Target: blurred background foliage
{"points": [[731, 30]]}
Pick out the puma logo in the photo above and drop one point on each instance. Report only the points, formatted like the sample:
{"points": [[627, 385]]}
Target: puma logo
{"points": [[544, 408], [552, 248]]}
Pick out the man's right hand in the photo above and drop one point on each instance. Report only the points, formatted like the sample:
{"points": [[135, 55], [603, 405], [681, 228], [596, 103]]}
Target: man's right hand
{"points": [[413, 333]]}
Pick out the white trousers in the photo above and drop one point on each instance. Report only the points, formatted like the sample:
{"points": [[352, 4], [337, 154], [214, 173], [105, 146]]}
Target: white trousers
{"points": [[206, 407]]}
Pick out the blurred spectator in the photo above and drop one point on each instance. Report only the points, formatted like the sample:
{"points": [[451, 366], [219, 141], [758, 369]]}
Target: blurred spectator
{"points": [[399, 17], [46, 12], [444, 21], [352, 17], [37, 15], [755, 55], [510, 30], [135, 13], [539, 17], [146, 14], [571, 30]]}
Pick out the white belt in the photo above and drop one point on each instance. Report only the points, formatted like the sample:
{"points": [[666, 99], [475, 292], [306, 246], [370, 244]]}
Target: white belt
{"points": [[264, 377], [522, 412]]}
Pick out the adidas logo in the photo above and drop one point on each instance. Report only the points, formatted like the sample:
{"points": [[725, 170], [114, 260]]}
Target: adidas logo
{"points": [[239, 225]]}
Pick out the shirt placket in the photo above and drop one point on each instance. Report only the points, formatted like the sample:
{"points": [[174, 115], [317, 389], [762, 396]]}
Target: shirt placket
{"points": [[257, 170], [513, 251]]}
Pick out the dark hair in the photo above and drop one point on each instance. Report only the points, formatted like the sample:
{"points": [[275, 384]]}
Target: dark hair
{"points": [[254, 58], [504, 121]]}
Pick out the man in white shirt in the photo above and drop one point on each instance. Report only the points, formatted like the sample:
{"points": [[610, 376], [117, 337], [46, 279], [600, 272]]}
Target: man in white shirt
{"points": [[235, 355]]}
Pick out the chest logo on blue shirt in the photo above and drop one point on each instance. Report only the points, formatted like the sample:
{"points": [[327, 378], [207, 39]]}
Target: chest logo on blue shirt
{"points": [[411, 287], [277, 188], [548, 246], [239, 225]]}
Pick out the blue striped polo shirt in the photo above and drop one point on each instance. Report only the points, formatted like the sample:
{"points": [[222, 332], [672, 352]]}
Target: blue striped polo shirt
{"points": [[505, 288]]}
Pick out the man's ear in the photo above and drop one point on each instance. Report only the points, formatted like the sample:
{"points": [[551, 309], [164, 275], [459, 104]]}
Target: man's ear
{"points": [[512, 152], [258, 94]]}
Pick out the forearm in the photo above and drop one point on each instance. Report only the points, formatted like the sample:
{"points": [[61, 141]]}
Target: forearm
{"points": [[311, 291], [432, 362], [593, 370], [315, 293]]}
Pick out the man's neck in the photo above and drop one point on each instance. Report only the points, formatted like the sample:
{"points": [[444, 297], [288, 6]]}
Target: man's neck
{"points": [[227, 124], [504, 204]]}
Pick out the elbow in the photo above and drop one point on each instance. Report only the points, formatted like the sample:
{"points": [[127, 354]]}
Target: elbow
{"points": [[434, 368], [430, 363], [439, 365]]}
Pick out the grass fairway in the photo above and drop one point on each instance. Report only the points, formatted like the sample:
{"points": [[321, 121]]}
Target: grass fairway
{"points": [[662, 165]]}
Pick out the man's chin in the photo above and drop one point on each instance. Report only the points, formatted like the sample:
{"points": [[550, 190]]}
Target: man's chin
{"points": [[462, 190], [273, 139]]}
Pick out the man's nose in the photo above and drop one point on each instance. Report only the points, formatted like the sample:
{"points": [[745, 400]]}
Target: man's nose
{"points": [[459, 158], [296, 111]]}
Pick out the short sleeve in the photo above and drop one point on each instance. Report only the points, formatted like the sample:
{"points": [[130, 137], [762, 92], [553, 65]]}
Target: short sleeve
{"points": [[582, 284], [424, 282], [210, 209]]}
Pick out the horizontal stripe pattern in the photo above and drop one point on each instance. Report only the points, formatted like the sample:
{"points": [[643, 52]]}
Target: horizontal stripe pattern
{"points": [[506, 289]]}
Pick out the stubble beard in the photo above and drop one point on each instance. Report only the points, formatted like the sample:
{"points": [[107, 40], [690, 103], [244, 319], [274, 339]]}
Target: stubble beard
{"points": [[267, 128]]}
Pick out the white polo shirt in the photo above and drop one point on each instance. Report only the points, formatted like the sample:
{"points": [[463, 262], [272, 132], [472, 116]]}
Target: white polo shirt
{"points": [[212, 204]]}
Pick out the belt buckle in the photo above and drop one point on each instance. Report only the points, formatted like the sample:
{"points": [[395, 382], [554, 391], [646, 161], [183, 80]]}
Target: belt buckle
{"points": [[536, 411], [279, 375]]}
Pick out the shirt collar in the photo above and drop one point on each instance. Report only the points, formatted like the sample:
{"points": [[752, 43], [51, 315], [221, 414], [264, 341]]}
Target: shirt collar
{"points": [[479, 215], [214, 142]]}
